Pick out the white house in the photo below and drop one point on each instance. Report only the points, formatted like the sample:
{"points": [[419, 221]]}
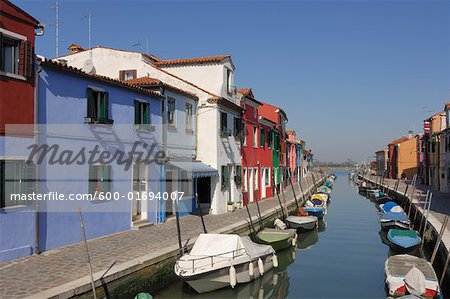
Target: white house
{"points": [[217, 115]]}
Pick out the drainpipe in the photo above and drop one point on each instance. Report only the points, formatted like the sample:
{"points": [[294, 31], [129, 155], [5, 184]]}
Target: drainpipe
{"points": [[36, 134]]}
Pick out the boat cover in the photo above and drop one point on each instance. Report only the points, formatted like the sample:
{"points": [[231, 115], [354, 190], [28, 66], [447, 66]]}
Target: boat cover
{"points": [[415, 282], [398, 266], [402, 217], [404, 238], [388, 206], [225, 244]]}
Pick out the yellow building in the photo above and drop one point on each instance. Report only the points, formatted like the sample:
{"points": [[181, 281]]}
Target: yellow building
{"points": [[407, 157]]}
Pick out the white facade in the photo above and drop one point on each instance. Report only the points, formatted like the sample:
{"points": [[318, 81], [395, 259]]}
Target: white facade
{"points": [[207, 81]]}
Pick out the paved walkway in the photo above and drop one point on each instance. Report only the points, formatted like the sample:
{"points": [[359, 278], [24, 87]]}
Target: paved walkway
{"points": [[33, 275]]}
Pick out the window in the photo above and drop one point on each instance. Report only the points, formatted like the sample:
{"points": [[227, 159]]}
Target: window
{"points": [[244, 134], [225, 171], [16, 56], [262, 138], [237, 127], [267, 176], [127, 74], [97, 107], [16, 177], [245, 180], [99, 179], [255, 177], [255, 136], [238, 175], [223, 124], [229, 79], [269, 138], [171, 111], [141, 113], [189, 115], [448, 175]]}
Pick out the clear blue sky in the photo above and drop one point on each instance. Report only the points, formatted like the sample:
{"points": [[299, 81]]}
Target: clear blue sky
{"points": [[352, 75]]}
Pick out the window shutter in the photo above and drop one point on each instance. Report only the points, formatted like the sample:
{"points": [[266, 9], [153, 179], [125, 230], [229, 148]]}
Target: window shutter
{"points": [[90, 103], [134, 74], [122, 75], [29, 175], [92, 179], [2, 183], [146, 114], [136, 112], [28, 64], [106, 183], [1, 63], [22, 58], [105, 108]]}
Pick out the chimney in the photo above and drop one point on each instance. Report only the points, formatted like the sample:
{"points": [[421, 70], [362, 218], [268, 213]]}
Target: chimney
{"points": [[447, 106], [73, 48], [410, 134]]}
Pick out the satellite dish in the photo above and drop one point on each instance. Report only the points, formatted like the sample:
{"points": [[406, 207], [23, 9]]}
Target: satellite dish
{"points": [[88, 67]]}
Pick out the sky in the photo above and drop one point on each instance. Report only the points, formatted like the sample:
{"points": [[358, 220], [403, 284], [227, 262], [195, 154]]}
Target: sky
{"points": [[351, 75]]}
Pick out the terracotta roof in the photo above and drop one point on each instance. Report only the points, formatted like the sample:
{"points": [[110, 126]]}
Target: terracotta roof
{"points": [[245, 91], [269, 111], [195, 60], [78, 71], [149, 81], [398, 140]]}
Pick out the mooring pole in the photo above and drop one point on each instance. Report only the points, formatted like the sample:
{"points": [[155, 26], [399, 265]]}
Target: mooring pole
{"points": [[301, 189], [281, 205], [438, 242], [427, 211], [177, 218], [83, 234], [444, 269], [250, 218], [293, 191], [200, 211]]}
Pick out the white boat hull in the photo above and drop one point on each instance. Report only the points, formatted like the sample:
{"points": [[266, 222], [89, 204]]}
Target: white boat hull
{"points": [[302, 222]]}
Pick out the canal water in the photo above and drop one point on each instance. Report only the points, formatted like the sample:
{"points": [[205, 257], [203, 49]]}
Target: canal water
{"points": [[344, 259]]}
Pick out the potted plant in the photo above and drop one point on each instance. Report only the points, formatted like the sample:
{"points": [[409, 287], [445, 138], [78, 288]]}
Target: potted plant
{"points": [[230, 206], [239, 204]]}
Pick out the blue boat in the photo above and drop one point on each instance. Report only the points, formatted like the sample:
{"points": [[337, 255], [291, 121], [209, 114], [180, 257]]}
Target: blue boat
{"points": [[403, 241], [394, 220], [387, 207], [319, 212]]}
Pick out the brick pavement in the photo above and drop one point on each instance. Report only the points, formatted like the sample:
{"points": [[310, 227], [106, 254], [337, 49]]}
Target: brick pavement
{"points": [[34, 274]]}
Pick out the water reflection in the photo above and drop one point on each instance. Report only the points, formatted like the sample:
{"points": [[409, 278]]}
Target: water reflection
{"points": [[306, 240]]}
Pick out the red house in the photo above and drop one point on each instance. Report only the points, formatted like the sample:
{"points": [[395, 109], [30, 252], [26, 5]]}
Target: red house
{"points": [[256, 154], [393, 156], [17, 80]]}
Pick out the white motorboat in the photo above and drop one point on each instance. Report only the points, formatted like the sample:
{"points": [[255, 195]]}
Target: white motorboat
{"points": [[302, 222], [220, 260]]}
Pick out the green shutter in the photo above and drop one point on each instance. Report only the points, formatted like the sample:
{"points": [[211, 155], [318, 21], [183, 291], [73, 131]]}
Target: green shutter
{"points": [[92, 179], [136, 112], [261, 137], [106, 174], [146, 116], [104, 106], [90, 103]]}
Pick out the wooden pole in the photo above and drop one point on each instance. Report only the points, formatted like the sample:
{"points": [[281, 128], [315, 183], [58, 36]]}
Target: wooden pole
{"points": [[177, 218], [427, 211], [301, 189], [200, 210], [250, 218], [83, 234], [293, 191], [281, 205], [438, 242], [444, 270]]}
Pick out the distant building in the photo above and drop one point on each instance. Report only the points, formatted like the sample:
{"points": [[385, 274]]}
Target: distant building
{"points": [[407, 157], [393, 157], [445, 154], [382, 161], [433, 126]]}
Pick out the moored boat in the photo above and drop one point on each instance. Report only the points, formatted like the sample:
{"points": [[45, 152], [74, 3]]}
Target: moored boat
{"points": [[391, 207], [323, 189], [317, 211], [407, 274], [221, 260], [403, 241], [302, 222], [277, 238], [394, 220], [321, 196]]}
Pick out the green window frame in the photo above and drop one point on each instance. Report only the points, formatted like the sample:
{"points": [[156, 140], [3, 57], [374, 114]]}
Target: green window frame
{"points": [[141, 113], [98, 106], [16, 177], [223, 122], [225, 171], [238, 175], [262, 138], [99, 179]]}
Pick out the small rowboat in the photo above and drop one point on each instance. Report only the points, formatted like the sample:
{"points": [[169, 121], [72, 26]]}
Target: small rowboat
{"points": [[323, 189], [407, 274], [278, 239], [391, 207], [321, 196], [302, 222], [403, 241], [319, 212], [394, 220]]}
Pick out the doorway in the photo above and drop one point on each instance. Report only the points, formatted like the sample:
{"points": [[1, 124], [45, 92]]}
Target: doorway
{"points": [[139, 206], [204, 194]]}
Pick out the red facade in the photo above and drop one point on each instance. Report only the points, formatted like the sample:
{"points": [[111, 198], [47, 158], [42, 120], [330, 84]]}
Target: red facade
{"points": [[256, 155], [17, 36]]}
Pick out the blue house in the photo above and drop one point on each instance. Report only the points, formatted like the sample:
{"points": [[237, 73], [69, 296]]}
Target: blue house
{"points": [[83, 114]]}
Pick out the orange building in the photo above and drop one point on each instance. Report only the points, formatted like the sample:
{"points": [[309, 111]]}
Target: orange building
{"points": [[407, 161]]}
